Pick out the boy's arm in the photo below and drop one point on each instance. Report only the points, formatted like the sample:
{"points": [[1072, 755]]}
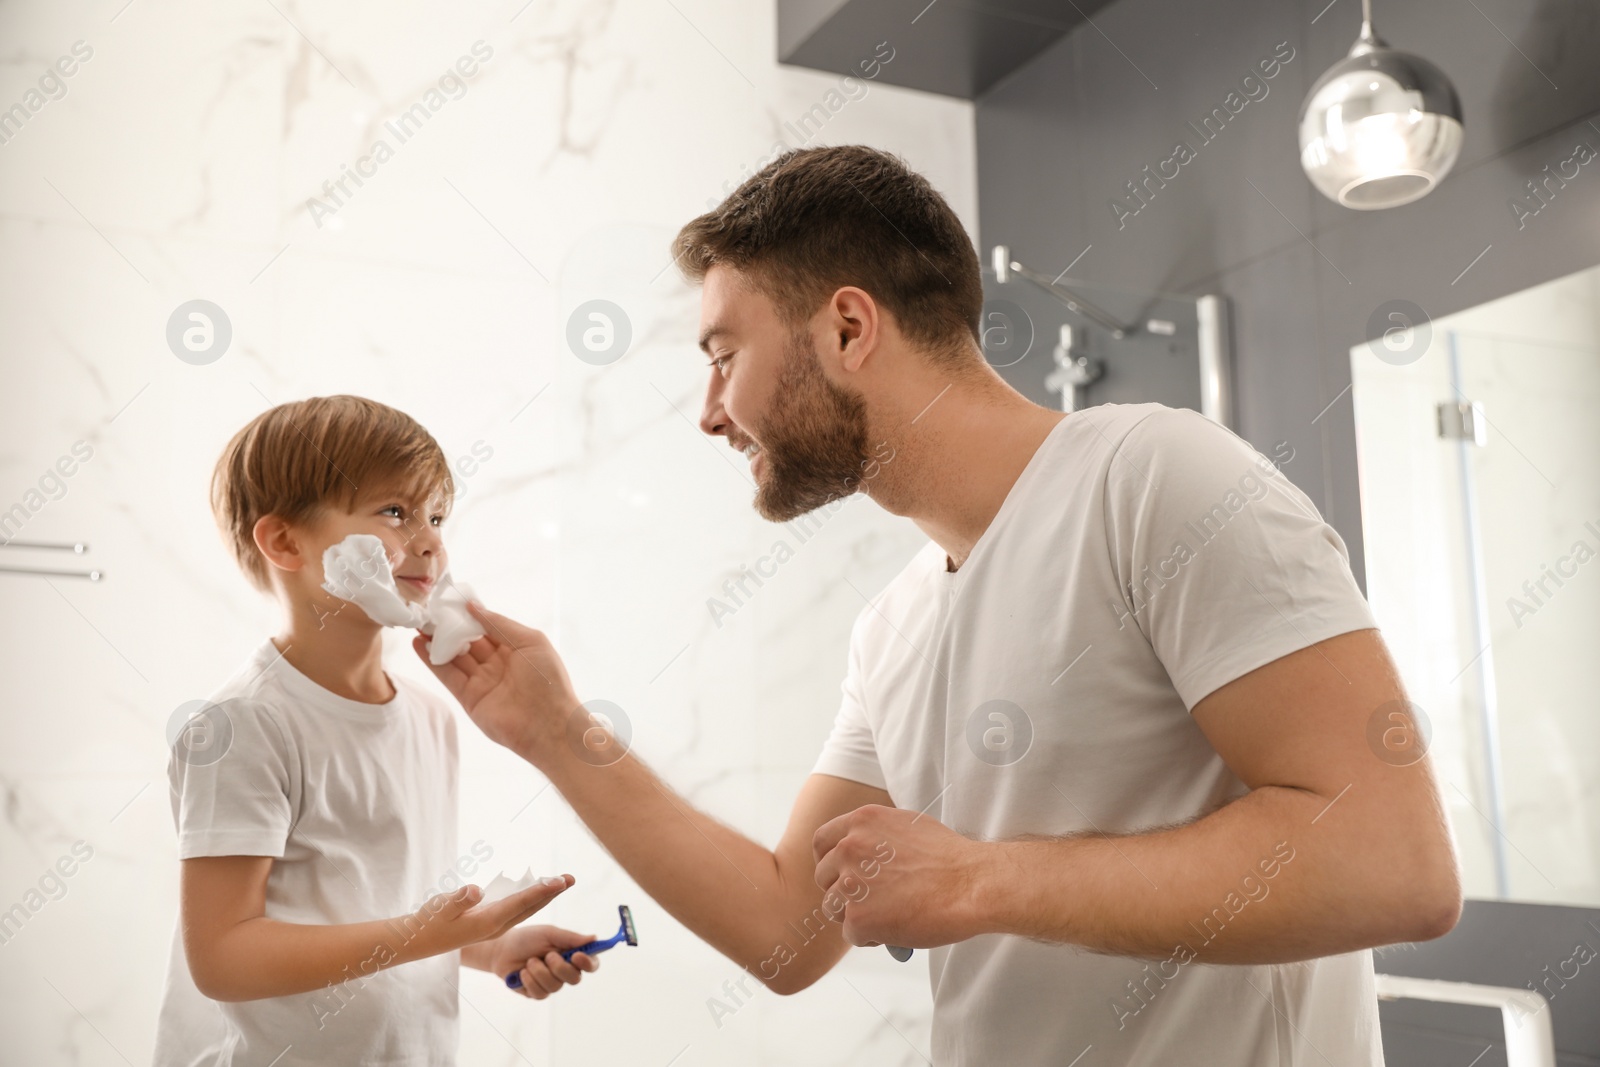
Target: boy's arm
{"points": [[236, 953]]}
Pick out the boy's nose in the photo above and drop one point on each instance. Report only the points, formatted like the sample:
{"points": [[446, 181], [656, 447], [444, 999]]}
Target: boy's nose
{"points": [[424, 541]]}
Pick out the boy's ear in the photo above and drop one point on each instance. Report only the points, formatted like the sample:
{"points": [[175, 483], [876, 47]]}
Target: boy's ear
{"points": [[279, 542]]}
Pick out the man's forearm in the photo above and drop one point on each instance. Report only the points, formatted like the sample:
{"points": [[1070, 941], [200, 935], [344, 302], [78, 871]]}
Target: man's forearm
{"points": [[727, 889], [1278, 875]]}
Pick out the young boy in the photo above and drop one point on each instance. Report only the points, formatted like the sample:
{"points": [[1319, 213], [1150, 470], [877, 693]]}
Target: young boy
{"points": [[315, 796]]}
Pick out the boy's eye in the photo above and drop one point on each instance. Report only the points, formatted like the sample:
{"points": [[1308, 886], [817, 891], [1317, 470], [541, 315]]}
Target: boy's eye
{"points": [[395, 508]]}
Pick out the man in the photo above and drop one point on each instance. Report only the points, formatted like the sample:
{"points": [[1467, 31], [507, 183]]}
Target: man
{"points": [[1103, 745]]}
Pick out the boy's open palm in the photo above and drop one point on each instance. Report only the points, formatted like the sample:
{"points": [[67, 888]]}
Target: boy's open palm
{"points": [[458, 919], [512, 684]]}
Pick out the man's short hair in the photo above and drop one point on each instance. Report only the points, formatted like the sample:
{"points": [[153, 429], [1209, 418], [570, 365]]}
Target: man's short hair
{"points": [[816, 219]]}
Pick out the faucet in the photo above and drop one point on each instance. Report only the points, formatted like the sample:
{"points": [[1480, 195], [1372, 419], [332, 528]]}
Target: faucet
{"points": [[1073, 372]]}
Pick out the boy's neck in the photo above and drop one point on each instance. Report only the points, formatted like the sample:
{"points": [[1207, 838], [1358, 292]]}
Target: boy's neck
{"points": [[343, 655]]}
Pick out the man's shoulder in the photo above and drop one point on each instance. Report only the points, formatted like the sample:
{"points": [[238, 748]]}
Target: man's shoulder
{"points": [[903, 593], [1153, 443], [1149, 425]]}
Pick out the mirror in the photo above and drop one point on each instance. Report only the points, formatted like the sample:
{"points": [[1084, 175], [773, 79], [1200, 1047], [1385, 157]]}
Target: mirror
{"points": [[1479, 454]]}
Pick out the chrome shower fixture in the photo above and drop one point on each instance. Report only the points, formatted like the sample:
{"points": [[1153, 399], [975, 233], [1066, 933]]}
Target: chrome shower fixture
{"points": [[1005, 266]]}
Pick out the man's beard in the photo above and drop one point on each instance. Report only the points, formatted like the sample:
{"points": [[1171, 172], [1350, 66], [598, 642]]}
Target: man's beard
{"points": [[814, 440]]}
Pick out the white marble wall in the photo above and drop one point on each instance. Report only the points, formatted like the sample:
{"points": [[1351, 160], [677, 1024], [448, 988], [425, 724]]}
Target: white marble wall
{"points": [[175, 163]]}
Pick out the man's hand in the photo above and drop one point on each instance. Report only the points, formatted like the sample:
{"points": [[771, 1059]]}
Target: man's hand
{"points": [[535, 952], [512, 684], [455, 920], [899, 878]]}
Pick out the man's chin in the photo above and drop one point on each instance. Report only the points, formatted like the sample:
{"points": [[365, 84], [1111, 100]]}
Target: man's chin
{"points": [[778, 508]]}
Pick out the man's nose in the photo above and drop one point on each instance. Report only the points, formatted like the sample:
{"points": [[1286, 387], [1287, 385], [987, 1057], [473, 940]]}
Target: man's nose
{"points": [[714, 420]]}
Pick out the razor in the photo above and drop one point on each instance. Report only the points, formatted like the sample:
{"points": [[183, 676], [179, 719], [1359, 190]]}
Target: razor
{"points": [[625, 932]]}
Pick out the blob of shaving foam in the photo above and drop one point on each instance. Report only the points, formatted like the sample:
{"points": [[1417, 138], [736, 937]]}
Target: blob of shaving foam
{"points": [[450, 627], [357, 569], [502, 887]]}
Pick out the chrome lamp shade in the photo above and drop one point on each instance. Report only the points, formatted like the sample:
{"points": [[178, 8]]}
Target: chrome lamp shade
{"points": [[1380, 128]]}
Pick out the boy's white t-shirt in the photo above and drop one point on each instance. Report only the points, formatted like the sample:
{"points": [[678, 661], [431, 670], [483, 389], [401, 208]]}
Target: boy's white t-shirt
{"points": [[357, 804], [1145, 557]]}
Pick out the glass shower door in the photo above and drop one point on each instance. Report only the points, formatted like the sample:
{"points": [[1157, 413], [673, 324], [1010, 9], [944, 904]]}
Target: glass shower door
{"points": [[1531, 526], [1479, 455]]}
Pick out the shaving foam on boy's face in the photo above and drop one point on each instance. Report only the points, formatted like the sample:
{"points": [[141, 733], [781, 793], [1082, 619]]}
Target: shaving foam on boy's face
{"points": [[357, 569]]}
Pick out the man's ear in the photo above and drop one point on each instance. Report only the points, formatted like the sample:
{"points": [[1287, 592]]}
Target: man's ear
{"points": [[854, 322], [280, 543]]}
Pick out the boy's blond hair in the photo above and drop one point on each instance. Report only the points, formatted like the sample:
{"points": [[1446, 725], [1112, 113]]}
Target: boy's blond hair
{"points": [[297, 459]]}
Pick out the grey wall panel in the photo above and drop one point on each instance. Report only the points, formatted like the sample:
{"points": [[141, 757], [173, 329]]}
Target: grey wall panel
{"points": [[1031, 160], [1275, 399], [1209, 215], [1304, 277], [1549, 949]]}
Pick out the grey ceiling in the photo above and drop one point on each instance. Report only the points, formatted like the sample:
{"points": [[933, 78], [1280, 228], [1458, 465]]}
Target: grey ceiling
{"points": [[955, 47]]}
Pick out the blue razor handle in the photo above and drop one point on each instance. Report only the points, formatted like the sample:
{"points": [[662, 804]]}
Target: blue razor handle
{"points": [[625, 933]]}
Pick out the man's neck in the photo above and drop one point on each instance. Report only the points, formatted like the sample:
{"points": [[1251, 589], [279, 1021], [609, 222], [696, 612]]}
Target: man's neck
{"points": [[957, 457]]}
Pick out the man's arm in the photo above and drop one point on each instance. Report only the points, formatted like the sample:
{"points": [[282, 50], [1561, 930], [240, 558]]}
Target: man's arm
{"points": [[236, 953], [759, 907], [1333, 849]]}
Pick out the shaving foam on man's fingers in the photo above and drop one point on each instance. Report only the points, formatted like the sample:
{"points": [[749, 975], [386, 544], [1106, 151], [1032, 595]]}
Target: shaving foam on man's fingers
{"points": [[357, 569], [450, 625]]}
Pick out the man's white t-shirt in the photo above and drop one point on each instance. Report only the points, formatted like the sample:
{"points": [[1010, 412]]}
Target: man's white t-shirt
{"points": [[1145, 557], [357, 804]]}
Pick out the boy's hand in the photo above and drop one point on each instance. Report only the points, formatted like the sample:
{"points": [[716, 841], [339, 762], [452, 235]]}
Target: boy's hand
{"points": [[512, 684], [535, 951], [455, 920]]}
